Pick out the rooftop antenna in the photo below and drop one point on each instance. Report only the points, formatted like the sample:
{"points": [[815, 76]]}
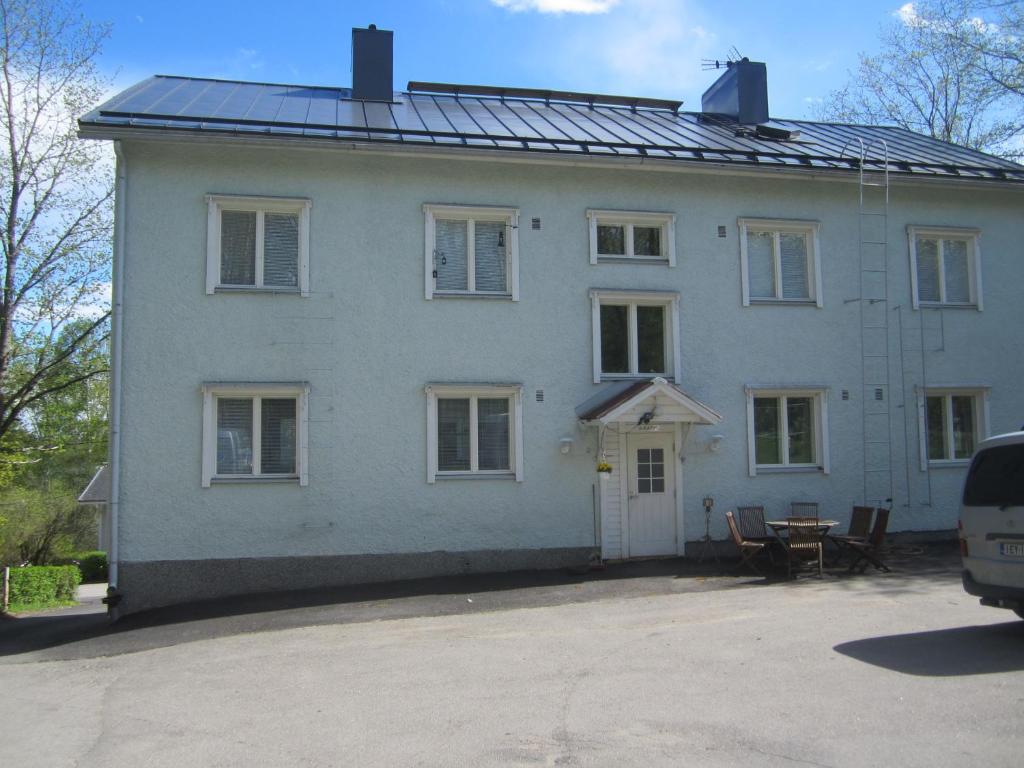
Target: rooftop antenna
{"points": [[733, 56]]}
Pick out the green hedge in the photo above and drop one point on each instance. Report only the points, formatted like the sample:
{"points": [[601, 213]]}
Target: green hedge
{"points": [[42, 585], [93, 565]]}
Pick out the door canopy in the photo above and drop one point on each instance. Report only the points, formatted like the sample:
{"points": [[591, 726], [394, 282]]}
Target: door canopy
{"points": [[644, 401]]}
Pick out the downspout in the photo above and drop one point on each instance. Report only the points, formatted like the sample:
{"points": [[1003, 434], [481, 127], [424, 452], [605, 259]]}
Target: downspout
{"points": [[117, 320]]}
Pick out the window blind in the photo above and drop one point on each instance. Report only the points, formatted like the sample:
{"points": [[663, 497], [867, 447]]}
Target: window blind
{"points": [[278, 437], [281, 249], [955, 268], [450, 242], [493, 433], [928, 270], [761, 265], [489, 253], [234, 436], [238, 247], [793, 255]]}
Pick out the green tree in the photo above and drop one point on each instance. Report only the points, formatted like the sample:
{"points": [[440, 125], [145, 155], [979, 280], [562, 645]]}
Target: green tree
{"points": [[945, 69], [55, 212]]}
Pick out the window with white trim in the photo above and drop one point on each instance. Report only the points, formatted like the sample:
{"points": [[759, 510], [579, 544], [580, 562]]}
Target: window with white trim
{"points": [[474, 431], [257, 244], [634, 334], [945, 267], [635, 236], [472, 251], [952, 424], [787, 429], [254, 432], [779, 262]]}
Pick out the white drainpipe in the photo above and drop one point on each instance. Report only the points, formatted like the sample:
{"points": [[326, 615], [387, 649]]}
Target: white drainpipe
{"points": [[120, 205]]}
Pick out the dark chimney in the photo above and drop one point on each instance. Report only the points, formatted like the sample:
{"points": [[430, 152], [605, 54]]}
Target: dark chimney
{"points": [[740, 93], [372, 64]]}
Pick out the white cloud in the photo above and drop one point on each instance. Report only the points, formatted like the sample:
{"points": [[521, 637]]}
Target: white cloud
{"points": [[643, 48], [907, 13], [557, 6]]}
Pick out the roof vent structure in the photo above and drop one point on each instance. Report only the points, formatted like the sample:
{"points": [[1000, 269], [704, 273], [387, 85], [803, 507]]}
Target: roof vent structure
{"points": [[372, 64], [740, 93]]}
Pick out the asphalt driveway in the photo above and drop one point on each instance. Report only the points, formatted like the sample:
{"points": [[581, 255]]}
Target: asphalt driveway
{"points": [[649, 664]]}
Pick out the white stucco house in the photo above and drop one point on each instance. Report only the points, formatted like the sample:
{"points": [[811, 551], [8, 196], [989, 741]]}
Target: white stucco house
{"points": [[362, 334]]}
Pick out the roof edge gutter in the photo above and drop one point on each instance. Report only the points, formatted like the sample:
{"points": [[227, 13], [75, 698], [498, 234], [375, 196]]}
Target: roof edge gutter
{"points": [[580, 160]]}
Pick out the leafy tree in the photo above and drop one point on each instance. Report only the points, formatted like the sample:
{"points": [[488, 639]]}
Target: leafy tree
{"points": [[55, 212], [944, 70]]}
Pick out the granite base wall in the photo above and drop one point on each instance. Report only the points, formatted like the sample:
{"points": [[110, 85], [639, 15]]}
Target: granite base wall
{"points": [[152, 584]]}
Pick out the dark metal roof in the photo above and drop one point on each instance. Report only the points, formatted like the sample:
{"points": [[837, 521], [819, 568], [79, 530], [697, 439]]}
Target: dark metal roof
{"points": [[518, 123]]}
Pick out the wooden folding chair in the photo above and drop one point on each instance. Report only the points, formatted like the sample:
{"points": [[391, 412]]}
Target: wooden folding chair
{"points": [[870, 549], [804, 543], [751, 524], [748, 549]]}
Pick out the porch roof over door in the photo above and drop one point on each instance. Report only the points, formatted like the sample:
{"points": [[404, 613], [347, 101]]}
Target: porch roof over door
{"points": [[620, 401]]}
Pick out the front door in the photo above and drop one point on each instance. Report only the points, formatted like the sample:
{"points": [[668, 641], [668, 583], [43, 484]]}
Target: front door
{"points": [[651, 485]]}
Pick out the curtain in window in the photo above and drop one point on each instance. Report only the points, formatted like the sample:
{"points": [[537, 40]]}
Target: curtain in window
{"points": [[281, 249], [761, 265], [650, 331], [928, 270], [935, 408], [767, 430], [611, 240], [234, 436], [800, 422], [614, 338], [793, 254], [954, 264], [489, 240], [492, 419], [453, 434], [647, 241], [450, 243], [278, 437], [963, 426], [238, 247]]}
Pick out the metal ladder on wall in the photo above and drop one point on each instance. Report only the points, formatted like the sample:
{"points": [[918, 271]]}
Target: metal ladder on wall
{"points": [[873, 300]]}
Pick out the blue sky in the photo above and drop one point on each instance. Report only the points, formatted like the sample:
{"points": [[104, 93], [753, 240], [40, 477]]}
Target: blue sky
{"points": [[628, 47]]}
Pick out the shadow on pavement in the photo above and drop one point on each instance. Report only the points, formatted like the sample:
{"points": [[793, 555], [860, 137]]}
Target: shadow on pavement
{"points": [[84, 632], [978, 650]]}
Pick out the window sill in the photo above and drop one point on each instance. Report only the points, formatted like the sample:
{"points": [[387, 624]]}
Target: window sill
{"points": [[636, 376], [779, 470], [471, 295], [783, 302], [945, 305], [254, 289], [658, 261], [475, 476], [948, 463], [253, 480]]}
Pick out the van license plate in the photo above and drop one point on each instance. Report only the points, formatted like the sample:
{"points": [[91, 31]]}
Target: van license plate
{"points": [[1011, 549]]}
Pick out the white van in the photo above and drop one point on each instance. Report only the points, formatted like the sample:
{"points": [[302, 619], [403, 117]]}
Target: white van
{"points": [[992, 523]]}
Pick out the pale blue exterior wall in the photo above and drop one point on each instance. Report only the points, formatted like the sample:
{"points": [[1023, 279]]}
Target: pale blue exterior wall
{"points": [[368, 342]]}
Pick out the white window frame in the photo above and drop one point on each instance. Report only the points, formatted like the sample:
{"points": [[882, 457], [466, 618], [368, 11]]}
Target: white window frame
{"points": [[216, 204], [473, 392], [666, 222], [968, 234], [777, 227], [632, 299], [819, 398], [214, 390], [471, 213], [978, 392]]}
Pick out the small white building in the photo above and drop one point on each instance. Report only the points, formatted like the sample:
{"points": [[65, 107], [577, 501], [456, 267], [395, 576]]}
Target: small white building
{"points": [[365, 335]]}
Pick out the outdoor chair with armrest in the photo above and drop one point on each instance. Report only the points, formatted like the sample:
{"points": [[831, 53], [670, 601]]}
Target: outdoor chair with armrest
{"points": [[860, 527]]}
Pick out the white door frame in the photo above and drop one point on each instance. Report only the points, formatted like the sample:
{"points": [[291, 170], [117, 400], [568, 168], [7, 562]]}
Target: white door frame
{"points": [[675, 451]]}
